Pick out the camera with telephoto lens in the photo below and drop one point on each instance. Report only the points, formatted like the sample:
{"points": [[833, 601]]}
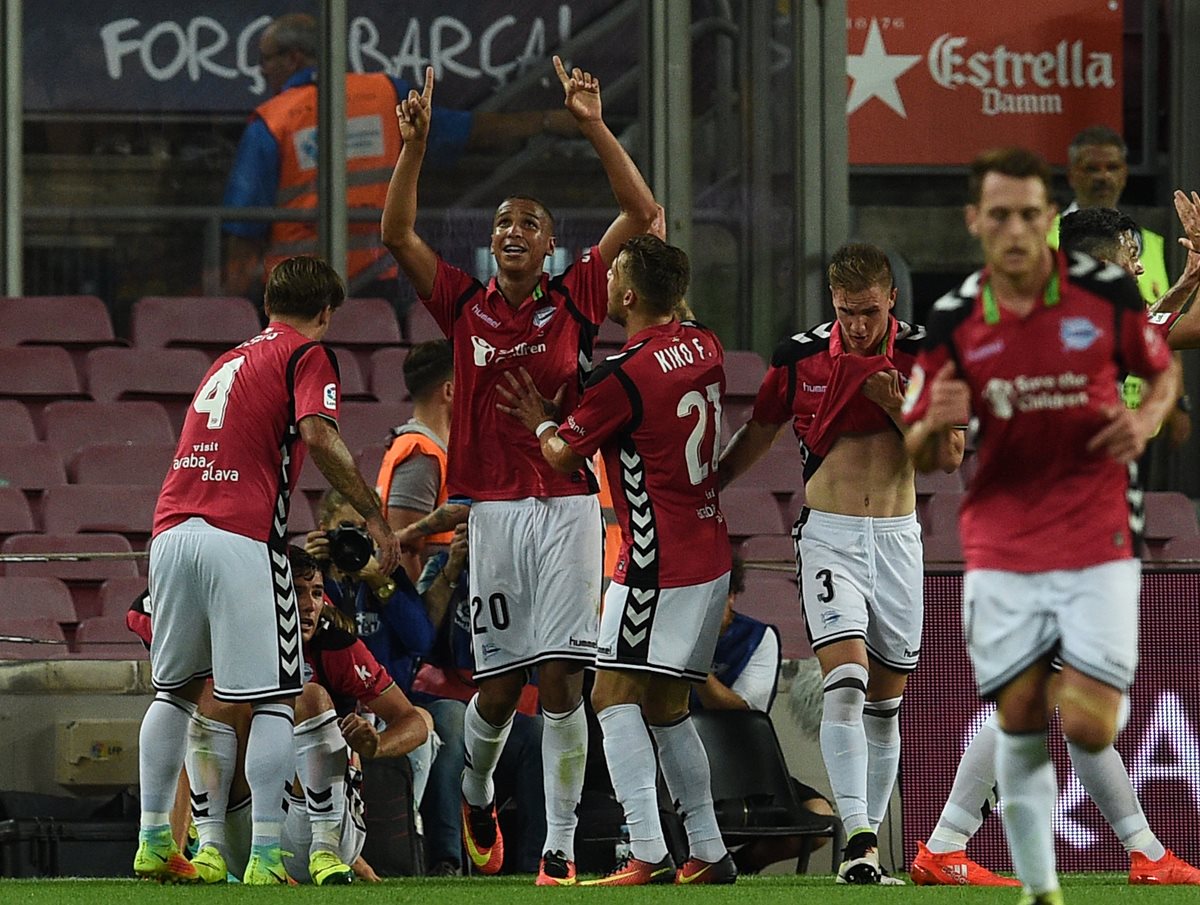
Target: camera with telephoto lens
{"points": [[350, 548]]}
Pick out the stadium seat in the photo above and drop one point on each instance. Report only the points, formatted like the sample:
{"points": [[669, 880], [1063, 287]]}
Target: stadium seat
{"points": [[752, 788], [929, 483], [1169, 514], [610, 338], [16, 424], [360, 326], [369, 458], [83, 576], [116, 594], [387, 374], [30, 465], [770, 548], [350, 376], [365, 424], [942, 550], [15, 515], [744, 373], [167, 376], [419, 325], [107, 638], [63, 320], [311, 484], [46, 639], [1183, 547], [773, 597], [70, 426], [938, 513], [212, 324], [85, 508], [36, 598], [780, 470], [751, 510], [133, 464], [734, 414], [37, 375]]}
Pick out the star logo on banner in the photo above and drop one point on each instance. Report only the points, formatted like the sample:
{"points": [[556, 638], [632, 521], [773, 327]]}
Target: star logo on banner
{"points": [[875, 72]]}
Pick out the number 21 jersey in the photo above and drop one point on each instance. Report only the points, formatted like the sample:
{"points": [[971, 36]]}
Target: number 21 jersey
{"points": [[654, 412]]}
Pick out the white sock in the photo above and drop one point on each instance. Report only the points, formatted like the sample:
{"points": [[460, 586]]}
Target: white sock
{"points": [[269, 763], [162, 742], [962, 814], [321, 765], [881, 726], [685, 767], [1029, 790], [844, 743], [484, 743], [631, 764], [1106, 781], [211, 761], [564, 757], [238, 831]]}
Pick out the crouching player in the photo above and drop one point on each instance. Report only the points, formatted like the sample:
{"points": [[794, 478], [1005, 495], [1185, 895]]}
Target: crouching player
{"points": [[323, 828]]}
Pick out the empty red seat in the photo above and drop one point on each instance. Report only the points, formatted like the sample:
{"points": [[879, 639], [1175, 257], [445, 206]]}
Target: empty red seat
{"points": [[36, 375], [117, 594], [350, 376], [64, 320], [1182, 547], [1169, 514], [213, 324], [769, 548], [300, 518], [25, 597], [773, 597], [115, 556], [419, 325], [369, 458], [943, 549], [16, 424], [751, 510], [939, 513], [929, 483], [70, 426], [780, 470], [15, 515], [610, 338], [365, 424], [387, 374], [138, 464], [31, 639], [744, 373], [83, 508], [31, 466], [362, 326], [167, 376], [107, 638]]}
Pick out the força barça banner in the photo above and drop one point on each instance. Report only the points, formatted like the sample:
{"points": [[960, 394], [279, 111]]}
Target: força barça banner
{"points": [[934, 82]]}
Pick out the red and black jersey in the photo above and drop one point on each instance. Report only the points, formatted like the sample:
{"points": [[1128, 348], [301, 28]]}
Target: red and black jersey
{"points": [[550, 335], [1040, 388], [816, 384], [341, 664], [239, 452], [654, 412]]}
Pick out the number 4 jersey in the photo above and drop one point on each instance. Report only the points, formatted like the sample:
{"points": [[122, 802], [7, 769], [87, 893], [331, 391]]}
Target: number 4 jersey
{"points": [[654, 412], [238, 456]]}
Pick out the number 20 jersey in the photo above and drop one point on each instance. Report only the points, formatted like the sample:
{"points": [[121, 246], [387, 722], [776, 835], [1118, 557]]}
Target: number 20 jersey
{"points": [[654, 412], [239, 452]]}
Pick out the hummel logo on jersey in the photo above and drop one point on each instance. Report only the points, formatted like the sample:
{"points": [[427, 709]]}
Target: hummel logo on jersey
{"points": [[363, 673], [487, 354], [814, 388], [542, 316]]}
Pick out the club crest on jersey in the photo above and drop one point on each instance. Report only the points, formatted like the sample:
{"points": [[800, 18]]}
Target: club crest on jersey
{"points": [[331, 396], [542, 316], [1078, 333]]}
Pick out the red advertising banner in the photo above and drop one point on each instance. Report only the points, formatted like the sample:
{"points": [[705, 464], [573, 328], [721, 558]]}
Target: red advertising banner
{"points": [[1160, 744], [938, 81]]}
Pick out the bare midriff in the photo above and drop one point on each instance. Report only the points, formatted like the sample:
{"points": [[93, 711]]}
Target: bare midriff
{"points": [[864, 475]]}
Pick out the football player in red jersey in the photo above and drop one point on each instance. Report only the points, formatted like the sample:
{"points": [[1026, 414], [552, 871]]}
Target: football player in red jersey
{"points": [[858, 543], [653, 410], [1110, 236], [535, 534], [1032, 346], [219, 578]]}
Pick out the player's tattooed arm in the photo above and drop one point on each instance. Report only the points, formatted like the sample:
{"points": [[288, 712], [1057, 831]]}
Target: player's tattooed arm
{"points": [[446, 517], [336, 463]]}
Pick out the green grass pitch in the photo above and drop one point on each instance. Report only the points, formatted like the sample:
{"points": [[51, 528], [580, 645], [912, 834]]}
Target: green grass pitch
{"points": [[1079, 889]]}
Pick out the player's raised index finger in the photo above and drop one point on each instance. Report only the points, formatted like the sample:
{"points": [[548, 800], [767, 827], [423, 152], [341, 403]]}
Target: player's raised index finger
{"points": [[561, 71], [427, 91]]}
